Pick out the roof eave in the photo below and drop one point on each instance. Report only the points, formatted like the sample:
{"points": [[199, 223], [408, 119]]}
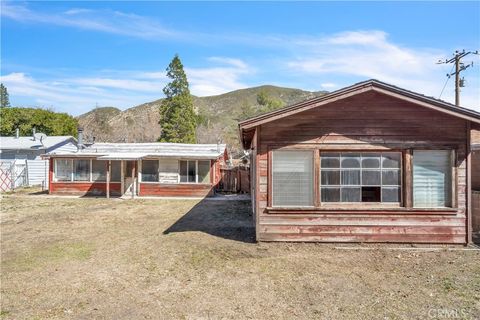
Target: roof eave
{"points": [[356, 89]]}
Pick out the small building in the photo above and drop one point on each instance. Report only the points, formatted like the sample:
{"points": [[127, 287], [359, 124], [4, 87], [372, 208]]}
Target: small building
{"points": [[138, 169], [20, 158], [368, 163], [33, 147]]}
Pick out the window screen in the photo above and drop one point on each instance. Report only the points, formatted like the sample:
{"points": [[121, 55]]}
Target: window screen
{"points": [[168, 170], [81, 170], [115, 171], [63, 170], [188, 171], [432, 179], [150, 170], [204, 171], [292, 178], [360, 177], [99, 170]]}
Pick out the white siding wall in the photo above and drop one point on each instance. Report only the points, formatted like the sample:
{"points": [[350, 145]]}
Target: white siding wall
{"points": [[67, 147], [37, 171]]}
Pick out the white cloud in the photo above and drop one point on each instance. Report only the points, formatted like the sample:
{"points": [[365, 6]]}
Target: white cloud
{"points": [[121, 88], [370, 54], [64, 95], [114, 22], [77, 11], [328, 85]]}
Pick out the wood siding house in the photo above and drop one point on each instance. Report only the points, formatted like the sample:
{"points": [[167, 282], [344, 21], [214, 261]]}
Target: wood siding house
{"points": [[367, 163], [138, 169]]}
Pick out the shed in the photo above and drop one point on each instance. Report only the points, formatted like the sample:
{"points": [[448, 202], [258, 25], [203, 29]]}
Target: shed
{"points": [[368, 163], [138, 169]]}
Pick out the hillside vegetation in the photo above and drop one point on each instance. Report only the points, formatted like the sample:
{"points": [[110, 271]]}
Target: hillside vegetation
{"points": [[218, 116]]}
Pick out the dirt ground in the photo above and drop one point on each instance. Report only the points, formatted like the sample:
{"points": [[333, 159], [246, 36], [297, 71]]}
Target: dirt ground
{"points": [[66, 258]]}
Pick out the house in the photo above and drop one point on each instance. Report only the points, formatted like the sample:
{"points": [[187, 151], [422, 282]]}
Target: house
{"points": [[138, 169], [20, 158], [31, 148], [368, 163]]}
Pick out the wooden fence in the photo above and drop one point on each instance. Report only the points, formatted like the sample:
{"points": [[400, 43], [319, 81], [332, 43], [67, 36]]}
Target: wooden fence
{"points": [[235, 180]]}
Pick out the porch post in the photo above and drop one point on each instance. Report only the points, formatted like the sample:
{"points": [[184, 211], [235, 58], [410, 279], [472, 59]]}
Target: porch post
{"points": [[122, 179], [109, 163], [133, 181]]}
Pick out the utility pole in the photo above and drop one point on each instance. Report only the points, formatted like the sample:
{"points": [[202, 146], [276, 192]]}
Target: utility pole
{"points": [[459, 67]]}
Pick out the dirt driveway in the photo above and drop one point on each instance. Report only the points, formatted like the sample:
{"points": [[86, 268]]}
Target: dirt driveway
{"points": [[186, 259]]}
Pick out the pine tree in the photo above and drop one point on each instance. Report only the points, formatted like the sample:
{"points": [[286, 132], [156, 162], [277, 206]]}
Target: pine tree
{"points": [[4, 100], [177, 115]]}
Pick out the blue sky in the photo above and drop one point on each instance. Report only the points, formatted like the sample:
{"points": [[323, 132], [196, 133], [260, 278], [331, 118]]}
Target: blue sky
{"points": [[70, 56]]}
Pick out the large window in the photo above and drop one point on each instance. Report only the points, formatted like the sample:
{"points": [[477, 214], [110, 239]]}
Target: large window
{"points": [[292, 178], [195, 171], [203, 171], [150, 170], [432, 179], [115, 171], [63, 169], [360, 177], [81, 170], [99, 170]]}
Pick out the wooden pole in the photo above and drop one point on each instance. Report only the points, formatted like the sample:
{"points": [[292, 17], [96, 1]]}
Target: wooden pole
{"points": [[122, 178], [133, 180], [109, 163], [457, 79]]}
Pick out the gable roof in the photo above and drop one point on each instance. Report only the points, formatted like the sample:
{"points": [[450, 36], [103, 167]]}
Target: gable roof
{"points": [[247, 126], [119, 151], [28, 143]]}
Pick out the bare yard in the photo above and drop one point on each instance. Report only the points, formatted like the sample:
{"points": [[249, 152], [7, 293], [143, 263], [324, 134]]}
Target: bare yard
{"points": [[188, 259]]}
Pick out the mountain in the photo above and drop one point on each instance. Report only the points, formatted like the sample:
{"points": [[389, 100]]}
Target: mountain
{"points": [[218, 115]]}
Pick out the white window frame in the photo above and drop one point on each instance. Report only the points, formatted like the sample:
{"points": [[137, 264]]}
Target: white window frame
{"points": [[196, 171], [55, 169]]}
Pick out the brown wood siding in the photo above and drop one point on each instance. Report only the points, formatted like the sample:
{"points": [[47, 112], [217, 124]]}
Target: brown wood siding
{"points": [[367, 121], [84, 188], [176, 190], [475, 134]]}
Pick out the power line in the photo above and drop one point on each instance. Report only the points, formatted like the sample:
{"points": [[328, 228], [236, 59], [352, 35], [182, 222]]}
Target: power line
{"points": [[446, 81], [459, 67]]}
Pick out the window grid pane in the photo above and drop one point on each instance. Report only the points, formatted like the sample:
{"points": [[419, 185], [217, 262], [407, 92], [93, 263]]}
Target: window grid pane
{"points": [[363, 171], [292, 178]]}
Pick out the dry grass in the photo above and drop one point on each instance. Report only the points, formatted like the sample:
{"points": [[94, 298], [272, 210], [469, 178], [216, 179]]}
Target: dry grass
{"points": [[123, 259]]}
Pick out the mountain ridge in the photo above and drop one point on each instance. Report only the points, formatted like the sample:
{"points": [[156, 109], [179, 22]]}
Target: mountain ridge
{"points": [[219, 114]]}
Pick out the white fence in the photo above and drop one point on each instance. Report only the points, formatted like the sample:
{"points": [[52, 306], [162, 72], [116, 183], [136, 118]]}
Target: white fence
{"points": [[22, 173]]}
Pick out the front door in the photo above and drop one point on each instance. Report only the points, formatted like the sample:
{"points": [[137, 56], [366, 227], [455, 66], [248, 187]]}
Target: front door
{"points": [[128, 177]]}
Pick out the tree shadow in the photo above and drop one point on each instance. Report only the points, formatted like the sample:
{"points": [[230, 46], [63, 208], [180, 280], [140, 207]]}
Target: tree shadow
{"points": [[228, 219]]}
